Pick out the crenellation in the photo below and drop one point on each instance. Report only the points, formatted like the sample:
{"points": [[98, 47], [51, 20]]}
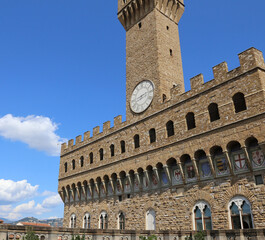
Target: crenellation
{"points": [[250, 59], [196, 82], [70, 143], [86, 136], [106, 126], [96, 131], [117, 121], [220, 72], [78, 140]]}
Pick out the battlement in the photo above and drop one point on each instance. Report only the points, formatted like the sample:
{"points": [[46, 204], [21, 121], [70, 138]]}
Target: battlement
{"points": [[87, 138], [249, 60]]}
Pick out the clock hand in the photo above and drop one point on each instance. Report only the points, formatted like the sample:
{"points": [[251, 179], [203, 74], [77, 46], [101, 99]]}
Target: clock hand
{"points": [[139, 98]]}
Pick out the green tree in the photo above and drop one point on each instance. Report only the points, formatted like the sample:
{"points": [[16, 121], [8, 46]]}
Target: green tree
{"points": [[151, 237], [30, 235]]}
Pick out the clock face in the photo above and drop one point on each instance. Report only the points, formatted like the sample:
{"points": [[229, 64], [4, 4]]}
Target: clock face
{"points": [[142, 96]]}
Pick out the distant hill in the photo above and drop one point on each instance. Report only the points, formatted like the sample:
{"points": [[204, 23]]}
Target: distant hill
{"points": [[5, 220], [56, 222]]}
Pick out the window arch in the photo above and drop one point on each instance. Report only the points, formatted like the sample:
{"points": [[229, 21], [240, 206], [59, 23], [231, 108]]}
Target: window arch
{"points": [[65, 167], [240, 213], [213, 112], [82, 161], [103, 220], [121, 221], [202, 216], [239, 102], [101, 154], [136, 139], [112, 152], [73, 164], [72, 221], [170, 129], [91, 158], [190, 120], [152, 135], [86, 221], [122, 146], [150, 219]]}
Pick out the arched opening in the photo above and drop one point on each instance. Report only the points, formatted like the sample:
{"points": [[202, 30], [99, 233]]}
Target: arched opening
{"points": [[82, 161], [213, 112], [91, 158], [188, 167], [101, 154], [86, 221], [73, 221], [170, 128], [112, 150], [239, 102], [73, 164], [152, 135], [240, 213], [150, 220], [219, 160], [122, 146], [237, 155], [255, 153], [121, 221], [65, 167], [202, 216], [190, 120], [136, 139], [103, 220], [203, 163]]}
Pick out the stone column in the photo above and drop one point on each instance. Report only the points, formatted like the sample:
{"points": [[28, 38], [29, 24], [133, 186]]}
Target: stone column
{"points": [[209, 157], [84, 191], [166, 168], [147, 178], [181, 170], [157, 176], [229, 162], [248, 158], [194, 162]]}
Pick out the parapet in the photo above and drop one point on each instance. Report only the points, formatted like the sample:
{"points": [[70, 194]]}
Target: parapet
{"points": [[249, 60], [96, 134]]}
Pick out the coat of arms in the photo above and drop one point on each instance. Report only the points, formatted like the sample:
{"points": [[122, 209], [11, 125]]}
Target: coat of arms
{"points": [[258, 158]]}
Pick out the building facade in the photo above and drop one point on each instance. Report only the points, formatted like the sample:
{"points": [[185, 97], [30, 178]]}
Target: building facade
{"points": [[182, 160]]}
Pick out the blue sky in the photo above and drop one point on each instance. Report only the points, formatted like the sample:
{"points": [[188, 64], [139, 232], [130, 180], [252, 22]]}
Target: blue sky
{"points": [[62, 72]]}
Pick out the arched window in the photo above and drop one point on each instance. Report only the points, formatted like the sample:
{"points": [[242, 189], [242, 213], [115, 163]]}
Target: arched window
{"points": [[202, 216], [152, 135], [121, 221], [65, 167], [101, 154], [136, 139], [73, 164], [86, 222], [150, 220], [91, 158], [190, 119], [122, 147], [213, 112], [170, 129], [239, 102], [188, 167], [82, 161], [112, 150], [72, 221], [103, 220], [240, 213]]}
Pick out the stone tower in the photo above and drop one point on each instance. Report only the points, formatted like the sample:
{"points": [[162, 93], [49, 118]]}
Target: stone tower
{"points": [[152, 52]]}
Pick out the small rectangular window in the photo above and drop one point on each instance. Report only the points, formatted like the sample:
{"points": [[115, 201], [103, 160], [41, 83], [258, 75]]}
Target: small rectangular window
{"points": [[128, 195], [120, 198], [258, 179]]}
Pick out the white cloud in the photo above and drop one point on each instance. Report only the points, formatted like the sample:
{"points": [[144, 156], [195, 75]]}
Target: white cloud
{"points": [[36, 131], [30, 208], [52, 201], [11, 191]]}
